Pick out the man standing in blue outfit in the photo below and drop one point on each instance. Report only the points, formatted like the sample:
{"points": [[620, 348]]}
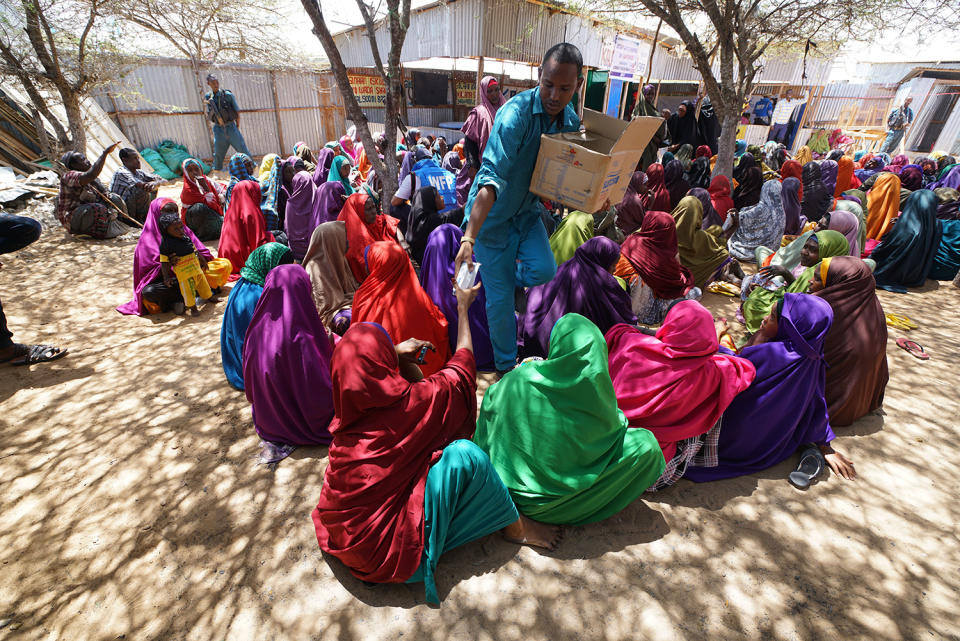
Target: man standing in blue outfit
{"points": [[223, 112], [502, 224]]}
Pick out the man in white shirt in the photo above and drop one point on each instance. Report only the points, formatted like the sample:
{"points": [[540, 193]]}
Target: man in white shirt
{"points": [[780, 120]]}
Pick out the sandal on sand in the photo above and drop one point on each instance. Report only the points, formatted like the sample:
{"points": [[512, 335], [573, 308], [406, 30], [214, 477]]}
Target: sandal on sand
{"points": [[37, 354], [913, 347], [899, 321], [811, 465]]}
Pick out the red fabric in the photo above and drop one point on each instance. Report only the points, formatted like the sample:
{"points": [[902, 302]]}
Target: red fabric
{"points": [[386, 434], [792, 169], [720, 196], [657, 196], [244, 228], [392, 296], [203, 191], [360, 234], [703, 151], [675, 384], [653, 253]]}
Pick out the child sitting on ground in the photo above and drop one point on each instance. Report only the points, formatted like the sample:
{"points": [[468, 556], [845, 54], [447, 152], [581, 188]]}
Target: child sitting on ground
{"points": [[179, 261]]}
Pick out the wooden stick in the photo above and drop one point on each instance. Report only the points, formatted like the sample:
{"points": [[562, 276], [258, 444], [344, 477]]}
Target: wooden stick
{"points": [[114, 205]]}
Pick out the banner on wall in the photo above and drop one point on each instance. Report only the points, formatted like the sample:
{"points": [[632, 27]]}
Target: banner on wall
{"points": [[466, 93], [629, 62], [369, 90]]}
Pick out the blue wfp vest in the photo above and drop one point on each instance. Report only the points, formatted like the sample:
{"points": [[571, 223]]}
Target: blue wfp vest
{"points": [[429, 173]]}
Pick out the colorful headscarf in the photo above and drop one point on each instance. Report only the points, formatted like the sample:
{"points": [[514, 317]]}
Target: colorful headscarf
{"points": [[336, 176], [238, 171], [262, 259]]}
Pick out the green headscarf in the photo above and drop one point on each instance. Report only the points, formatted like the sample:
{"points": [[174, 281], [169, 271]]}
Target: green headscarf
{"points": [[556, 437], [758, 303], [573, 231], [262, 259], [700, 252], [334, 174]]}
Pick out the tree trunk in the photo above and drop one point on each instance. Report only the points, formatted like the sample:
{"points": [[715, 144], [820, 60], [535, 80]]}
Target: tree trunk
{"points": [[729, 119], [71, 104], [386, 168]]}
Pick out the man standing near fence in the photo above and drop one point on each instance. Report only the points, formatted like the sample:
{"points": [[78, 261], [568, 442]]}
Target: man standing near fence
{"points": [[223, 112], [897, 123], [781, 118]]}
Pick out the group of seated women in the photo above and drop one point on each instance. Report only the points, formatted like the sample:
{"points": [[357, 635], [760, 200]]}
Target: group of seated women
{"points": [[345, 329]]}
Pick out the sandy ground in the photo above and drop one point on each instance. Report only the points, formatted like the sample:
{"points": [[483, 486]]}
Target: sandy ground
{"points": [[133, 508]]}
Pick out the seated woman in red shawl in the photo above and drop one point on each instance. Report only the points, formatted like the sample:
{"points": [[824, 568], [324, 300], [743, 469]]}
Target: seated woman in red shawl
{"points": [[402, 485], [392, 296], [365, 226], [202, 202], [244, 227]]}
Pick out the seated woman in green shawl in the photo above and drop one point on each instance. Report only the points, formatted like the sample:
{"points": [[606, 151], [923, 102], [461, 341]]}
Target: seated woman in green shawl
{"points": [[766, 291], [556, 437]]}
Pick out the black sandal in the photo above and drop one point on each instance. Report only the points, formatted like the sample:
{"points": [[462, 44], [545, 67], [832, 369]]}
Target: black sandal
{"points": [[39, 354]]}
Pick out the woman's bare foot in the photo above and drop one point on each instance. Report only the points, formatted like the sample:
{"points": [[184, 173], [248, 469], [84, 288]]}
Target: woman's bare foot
{"points": [[529, 532]]}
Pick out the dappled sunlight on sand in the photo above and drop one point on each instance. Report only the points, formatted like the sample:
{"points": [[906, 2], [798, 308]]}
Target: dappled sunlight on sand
{"points": [[133, 505]]}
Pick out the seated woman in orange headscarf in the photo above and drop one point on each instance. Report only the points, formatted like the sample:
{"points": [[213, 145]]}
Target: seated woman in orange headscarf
{"points": [[883, 205], [392, 296], [365, 226]]}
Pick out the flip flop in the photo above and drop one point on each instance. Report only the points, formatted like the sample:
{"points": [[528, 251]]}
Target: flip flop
{"points": [[40, 354], [899, 321], [913, 347], [811, 465]]}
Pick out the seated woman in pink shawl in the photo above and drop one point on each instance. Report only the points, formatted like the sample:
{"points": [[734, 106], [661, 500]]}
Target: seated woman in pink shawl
{"points": [[676, 384], [149, 292]]}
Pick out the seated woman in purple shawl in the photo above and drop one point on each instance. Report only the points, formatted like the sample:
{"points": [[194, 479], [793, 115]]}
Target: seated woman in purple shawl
{"points": [[584, 285], [146, 263], [436, 273], [784, 408], [286, 365]]}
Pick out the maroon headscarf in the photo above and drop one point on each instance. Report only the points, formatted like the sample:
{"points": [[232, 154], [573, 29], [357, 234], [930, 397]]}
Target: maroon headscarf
{"points": [[657, 196], [630, 210], [652, 251]]}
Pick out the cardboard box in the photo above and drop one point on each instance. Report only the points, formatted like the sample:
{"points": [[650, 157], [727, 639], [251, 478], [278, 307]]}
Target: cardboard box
{"points": [[583, 169]]}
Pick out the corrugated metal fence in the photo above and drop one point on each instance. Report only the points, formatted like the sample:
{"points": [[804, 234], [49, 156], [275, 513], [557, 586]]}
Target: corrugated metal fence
{"points": [[852, 105], [161, 100]]}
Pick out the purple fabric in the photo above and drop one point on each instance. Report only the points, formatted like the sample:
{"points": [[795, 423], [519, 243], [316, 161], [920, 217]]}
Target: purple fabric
{"points": [[436, 273], [828, 174], [464, 183], [951, 180], [674, 181], [299, 218], [790, 197], [146, 258], [329, 202], [286, 362], [785, 407], [324, 161], [710, 215], [583, 285], [911, 177]]}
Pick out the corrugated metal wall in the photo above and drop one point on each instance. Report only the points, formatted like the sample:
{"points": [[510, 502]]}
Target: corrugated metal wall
{"points": [[522, 31], [160, 100], [853, 105]]}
